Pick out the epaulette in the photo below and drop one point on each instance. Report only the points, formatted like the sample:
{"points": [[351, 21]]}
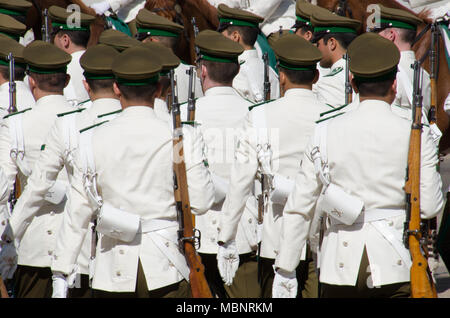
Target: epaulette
{"points": [[240, 63], [335, 71], [79, 110], [190, 122], [323, 119], [83, 102], [333, 110], [188, 101], [259, 104], [93, 126], [16, 113], [111, 113]]}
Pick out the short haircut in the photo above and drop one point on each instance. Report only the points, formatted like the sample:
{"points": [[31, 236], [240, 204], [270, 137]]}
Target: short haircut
{"points": [[344, 39], [299, 77], [79, 38], [248, 34], [220, 72], [377, 88], [101, 85], [407, 35], [138, 93], [19, 72], [168, 41], [304, 29], [52, 83]]}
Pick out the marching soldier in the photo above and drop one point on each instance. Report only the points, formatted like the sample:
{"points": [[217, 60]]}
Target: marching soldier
{"points": [[22, 137], [242, 27], [10, 27], [357, 161], [332, 35], [118, 40], [219, 114], [400, 26], [17, 9], [71, 36], [137, 230], [152, 27], [273, 153], [58, 151]]}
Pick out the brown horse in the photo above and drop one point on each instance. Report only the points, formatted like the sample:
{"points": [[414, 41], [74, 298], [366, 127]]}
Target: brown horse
{"points": [[357, 9], [34, 17], [181, 12]]}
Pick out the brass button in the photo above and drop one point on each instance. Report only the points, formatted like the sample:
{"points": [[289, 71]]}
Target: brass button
{"points": [[341, 265], [345, 244]]}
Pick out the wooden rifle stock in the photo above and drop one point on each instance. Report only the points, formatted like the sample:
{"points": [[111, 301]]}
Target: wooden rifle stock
{"points": [[186, 235], [422, 285]]}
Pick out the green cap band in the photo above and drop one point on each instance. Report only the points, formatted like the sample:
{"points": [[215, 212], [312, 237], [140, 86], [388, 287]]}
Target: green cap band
{"points": [[63, 26], [218, 59], [93, 76], [157, 32], [297, 68], [11, 12], [238, 22], [141, 82], [47, 71], [391, 75], [398, 24], [6, 63], [303, 20], [334, 30], [12, 36]]}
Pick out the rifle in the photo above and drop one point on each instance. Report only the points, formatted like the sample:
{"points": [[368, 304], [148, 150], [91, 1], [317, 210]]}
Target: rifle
{"points": [[422, 285], [191, 96], [44, 29], [188, 237], [194, 26], [263, 200], [348, 86], [433, 73], [266, 77], [14, 195]]}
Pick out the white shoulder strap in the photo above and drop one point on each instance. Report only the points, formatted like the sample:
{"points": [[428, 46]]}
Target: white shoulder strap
{"points": [[88, 166], [17, 152], [319, 152]]}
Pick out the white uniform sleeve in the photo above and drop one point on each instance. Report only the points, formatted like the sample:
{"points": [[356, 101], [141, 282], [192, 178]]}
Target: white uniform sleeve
{"points": [[6, 163]]}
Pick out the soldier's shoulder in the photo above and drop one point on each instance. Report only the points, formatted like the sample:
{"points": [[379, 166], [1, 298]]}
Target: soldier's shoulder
{"points": [[334, 72], [254, 107], [88, 128], [76, 111], [17, 113]]}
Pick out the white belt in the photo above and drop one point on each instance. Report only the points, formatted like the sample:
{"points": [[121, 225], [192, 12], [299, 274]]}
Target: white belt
{"points": [[373, 215], [153, 225]]}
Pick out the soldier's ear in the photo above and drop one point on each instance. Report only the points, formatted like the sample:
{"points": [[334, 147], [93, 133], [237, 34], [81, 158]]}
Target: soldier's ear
{"points": [[86, 87], [282, 79], [158, 92], [67, 80], [355, 89], [116, 90], [316, 76]]}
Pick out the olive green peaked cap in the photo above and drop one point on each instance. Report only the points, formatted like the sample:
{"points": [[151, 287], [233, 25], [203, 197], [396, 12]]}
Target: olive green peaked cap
{"points": [[153, 24], [11, 27], [137, 66], [97, 62], [14, 7], [373, 58], [230, 16], [62, 19], [216, 47], [168, 59], [46, 58], [118, 40], [8, 45], [397, 18], [325, 22], [295, 53], [303, 12]]}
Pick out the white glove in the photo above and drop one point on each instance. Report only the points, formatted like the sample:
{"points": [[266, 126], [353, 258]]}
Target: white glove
{"points": [[100, 7], [228, 261], [59, 285], [284, 284]]}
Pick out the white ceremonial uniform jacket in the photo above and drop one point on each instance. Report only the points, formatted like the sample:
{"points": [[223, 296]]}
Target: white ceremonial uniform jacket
{"points": [[290, 121], [24, 98], [249, 82], [220, 115], [182, 79], [38, 242], [126, 10], [330, 88], [367, 151], [75, 91], [402, 104], [56, 154], [133, 161]]}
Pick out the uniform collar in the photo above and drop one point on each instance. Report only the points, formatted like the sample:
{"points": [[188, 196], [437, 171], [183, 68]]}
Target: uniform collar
{"points": [[139, 111], [303, 92], [338, 63], [220, 90], [407, 55], [248, 54], [104, 105], [51, 100], [78, 53], [374, 104]]}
